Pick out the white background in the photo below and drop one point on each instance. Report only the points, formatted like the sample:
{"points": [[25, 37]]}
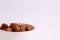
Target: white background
{"points": [[45, 14]]}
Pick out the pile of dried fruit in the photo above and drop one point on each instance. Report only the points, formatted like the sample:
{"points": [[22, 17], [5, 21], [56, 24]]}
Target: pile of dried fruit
{"points": [[14, 27]]}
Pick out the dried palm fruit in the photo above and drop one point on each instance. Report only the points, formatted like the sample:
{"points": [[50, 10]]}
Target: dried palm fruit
{"points": [[4, 26], [15, 27], [23, 27]]}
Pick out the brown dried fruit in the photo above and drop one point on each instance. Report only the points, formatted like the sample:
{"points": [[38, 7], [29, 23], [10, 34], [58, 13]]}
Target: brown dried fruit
{"points": [[23, 27], [4, 26], [15, 27], [29, 27]]}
